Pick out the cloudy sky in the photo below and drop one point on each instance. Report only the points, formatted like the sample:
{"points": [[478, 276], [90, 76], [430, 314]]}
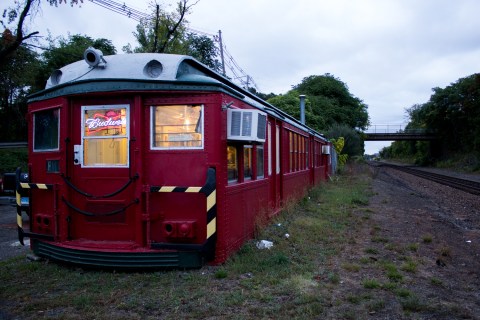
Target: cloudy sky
{"points": [[390, 53]]}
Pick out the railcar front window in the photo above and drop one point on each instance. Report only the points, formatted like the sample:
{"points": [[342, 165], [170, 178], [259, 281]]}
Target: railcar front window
{"points": [[177, 127], [45, 130], [105, 136]]}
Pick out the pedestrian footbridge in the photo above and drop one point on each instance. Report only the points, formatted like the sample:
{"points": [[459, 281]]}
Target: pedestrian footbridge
{"points": [[396, 132]]}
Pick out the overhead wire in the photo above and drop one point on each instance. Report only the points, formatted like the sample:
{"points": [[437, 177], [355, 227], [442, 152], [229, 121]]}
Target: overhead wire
{"points": [[239, 74], [122, 9]]}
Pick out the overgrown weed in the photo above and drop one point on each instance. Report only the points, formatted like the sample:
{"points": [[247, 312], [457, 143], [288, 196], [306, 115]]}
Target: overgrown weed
{"points": [[292, 279]]}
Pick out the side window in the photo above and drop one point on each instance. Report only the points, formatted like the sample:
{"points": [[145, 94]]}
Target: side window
{"points": [[247, 161], [269, 135], [177, 127], [46, 126], [243, 161], [260, 162], [292, 151], [232, 163], [277, 150], [105, 135]]}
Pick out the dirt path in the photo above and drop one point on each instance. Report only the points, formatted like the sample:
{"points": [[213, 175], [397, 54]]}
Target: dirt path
{"points": [[9, 245], [416, 255]]}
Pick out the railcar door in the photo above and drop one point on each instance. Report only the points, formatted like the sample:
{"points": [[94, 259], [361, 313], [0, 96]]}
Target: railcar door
{"points": [[274, 164], [101, 201]]}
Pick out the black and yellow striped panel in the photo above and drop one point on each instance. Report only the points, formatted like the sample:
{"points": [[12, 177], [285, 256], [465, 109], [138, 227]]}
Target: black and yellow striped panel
{"points": [[18, 198], [43, 186], [175, 189], [209, 189]]}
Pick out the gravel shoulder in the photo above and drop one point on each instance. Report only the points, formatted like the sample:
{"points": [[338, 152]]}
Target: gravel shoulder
{"points": [[421, 243], [9, 244]]}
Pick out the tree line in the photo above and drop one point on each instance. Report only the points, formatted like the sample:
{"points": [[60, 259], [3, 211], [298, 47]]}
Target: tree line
{"points": [[330, 107], [453, 115]]}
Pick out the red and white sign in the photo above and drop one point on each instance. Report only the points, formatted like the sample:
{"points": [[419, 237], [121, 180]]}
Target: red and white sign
{"points": [[112, 119]]}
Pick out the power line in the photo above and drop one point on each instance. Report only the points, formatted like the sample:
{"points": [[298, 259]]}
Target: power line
{"points": [[122, 9], [239, 74]]}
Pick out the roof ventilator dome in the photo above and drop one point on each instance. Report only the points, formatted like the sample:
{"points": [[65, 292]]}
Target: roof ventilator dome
{"points": [[153, 69], [56, 76], [94, 58]]}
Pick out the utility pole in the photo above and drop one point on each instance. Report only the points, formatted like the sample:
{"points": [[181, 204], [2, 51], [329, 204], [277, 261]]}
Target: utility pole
{"points": [[156, 30], [221, 51]]}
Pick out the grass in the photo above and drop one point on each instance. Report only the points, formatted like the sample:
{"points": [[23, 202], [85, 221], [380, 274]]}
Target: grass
{"points": [[392, 272], [412, 247], [412, 304], [428, 238], [371, 251], [295, 279], [292, 278], [409, 266], [436, 282], [371, 284]]}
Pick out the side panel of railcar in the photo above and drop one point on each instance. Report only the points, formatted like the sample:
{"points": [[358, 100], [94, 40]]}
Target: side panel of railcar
{"points": [[181, 145], [296, 160], [46, 160], [274, 163], [244, 173], [320, 160]]}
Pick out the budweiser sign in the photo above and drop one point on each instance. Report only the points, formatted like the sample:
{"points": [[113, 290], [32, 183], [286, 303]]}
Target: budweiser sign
{"points": [[109, 120]]}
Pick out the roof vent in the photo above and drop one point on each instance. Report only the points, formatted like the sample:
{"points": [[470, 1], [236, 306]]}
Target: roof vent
{"points": [[153, 69], [55, 77], [94, 58]]}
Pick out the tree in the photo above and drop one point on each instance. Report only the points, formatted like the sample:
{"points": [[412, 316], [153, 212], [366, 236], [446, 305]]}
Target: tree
{"points": [[204, 50], [353, 144], [168, 33], [164, 34], [339, 144], [328, 102], [11, 41], [290, 103], [331, 99], [63, 51], [453, 114], [16, 79]]}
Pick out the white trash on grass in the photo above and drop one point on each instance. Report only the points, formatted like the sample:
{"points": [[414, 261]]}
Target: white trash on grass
{"points": [[264, 244]]}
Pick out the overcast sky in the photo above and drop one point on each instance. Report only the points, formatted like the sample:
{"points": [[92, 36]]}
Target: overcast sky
{"points": [[390, 53]]}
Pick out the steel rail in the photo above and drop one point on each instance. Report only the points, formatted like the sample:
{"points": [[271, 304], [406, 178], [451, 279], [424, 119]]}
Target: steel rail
{"points": [[469, 186]]}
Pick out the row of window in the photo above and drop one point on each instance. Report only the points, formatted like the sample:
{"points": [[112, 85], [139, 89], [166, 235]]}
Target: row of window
{"points": [[106, 133], [244, 154], [105, 137], [298, 151], [252, 158]]}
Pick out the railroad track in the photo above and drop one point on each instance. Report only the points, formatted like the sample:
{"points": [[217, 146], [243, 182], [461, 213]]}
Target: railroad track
{"points": [[469, 186]]}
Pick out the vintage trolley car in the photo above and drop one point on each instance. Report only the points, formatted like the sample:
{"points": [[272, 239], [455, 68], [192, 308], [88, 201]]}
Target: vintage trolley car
{"points": [[154, 160]]}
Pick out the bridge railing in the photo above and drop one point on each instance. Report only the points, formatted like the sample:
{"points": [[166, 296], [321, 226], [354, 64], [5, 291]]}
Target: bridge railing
{"points": [[393, 129], [385, 128]]}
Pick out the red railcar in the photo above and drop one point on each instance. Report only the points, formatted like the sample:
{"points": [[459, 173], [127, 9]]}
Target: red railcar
{"points": [[154, 160]]}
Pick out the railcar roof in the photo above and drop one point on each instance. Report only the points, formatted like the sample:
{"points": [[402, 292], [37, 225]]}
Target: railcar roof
{"points": [[138, 66], [149, 71]]}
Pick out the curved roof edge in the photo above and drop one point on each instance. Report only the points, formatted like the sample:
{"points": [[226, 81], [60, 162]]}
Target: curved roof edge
{"points": [[148, 71]]}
